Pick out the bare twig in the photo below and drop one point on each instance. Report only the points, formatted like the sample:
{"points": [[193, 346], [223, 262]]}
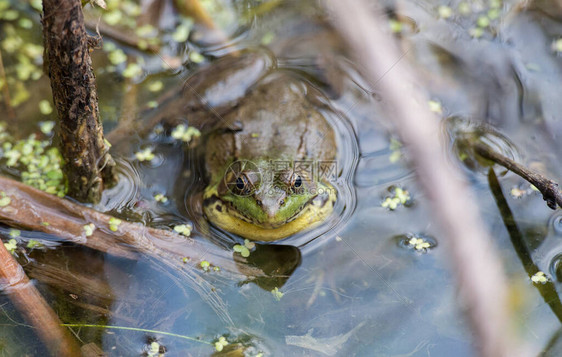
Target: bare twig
{"points": [[34, 308], [550, 190], [126, 37], [548, 289], [88, 165], [469, 246]]}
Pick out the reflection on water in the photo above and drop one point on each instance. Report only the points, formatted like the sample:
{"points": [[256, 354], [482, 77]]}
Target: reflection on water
{"points": [[278, 262]]}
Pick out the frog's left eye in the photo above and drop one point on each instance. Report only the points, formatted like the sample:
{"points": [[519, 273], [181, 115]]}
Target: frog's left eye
{"points": [[240, 184]]}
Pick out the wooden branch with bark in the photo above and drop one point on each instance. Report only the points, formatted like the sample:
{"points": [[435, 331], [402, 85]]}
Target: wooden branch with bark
{"points": [[88, 166], [550, 190], [29, 302]]}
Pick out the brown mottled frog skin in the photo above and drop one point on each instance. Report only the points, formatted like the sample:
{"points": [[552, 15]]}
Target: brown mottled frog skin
{"points": [[264, 160]]}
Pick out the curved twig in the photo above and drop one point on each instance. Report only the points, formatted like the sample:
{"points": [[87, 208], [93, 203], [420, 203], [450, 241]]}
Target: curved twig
{"points": [[29, 302], [550, 190]]}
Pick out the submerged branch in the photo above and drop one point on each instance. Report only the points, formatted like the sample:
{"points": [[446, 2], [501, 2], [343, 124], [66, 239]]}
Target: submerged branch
{"points": [[548, 289], [88, 165], [35, 210], [550, 190], [468, 245], [29, 302]]}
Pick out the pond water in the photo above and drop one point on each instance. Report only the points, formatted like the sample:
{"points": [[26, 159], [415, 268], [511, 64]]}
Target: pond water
{"points": [[364, 283]]}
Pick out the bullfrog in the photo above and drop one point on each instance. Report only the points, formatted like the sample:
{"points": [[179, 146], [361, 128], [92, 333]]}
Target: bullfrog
{"points": [[266, 162]]}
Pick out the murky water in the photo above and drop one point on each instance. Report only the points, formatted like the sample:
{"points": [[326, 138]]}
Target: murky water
{"points": [[363, 283]]}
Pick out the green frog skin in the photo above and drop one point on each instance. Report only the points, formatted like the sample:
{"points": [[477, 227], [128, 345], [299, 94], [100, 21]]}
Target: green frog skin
{"points": [[254, 159]]}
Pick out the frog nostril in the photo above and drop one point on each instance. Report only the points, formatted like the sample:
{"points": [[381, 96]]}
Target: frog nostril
{"points": [[281, 203], [259, 203]]}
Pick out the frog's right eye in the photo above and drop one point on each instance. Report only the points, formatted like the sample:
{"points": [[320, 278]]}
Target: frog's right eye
{"points": [[240, 184]]}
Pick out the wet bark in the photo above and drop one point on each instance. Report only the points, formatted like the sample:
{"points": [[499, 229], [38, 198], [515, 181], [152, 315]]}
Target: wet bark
{"points": [[88, 165], [29, 302]]}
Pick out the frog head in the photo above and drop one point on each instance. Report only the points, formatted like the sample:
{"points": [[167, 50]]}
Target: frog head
{"points": [[260, 202]]}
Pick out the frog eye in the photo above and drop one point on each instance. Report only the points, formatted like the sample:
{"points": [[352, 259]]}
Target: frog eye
{"points": [[298, 182], [240, 184]]}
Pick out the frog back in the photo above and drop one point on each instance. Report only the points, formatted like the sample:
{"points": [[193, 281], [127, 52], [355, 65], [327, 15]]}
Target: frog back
{"points": [[274, 121]]}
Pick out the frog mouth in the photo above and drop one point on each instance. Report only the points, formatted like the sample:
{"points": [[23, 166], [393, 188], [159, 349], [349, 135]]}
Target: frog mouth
{"points": [[225, 216], [317, 201]]}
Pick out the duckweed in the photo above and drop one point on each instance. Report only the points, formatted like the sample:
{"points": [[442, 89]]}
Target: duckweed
{"points": [[476, 32], [205, 265], [400, 197], [45, 107], [155, 86], [182, 32], [114, 224], [117, 56], [557, 45], [160, 198], [11, 246], [245, 249], [435, 106], [395, 26], [183, 229], [277, 294], [483, 21], [14, 233], [221, 343], [24, 57], [445, 12], [396, 149], [154, 349], [242, 250], [483, 17], [267, 38], [47, 127], [34, 244], [419, 244], [145, 155], [4, 199], [132, 70], [539, 278], [39, 164], [89, 229], [184, 133], [196, 57]]}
